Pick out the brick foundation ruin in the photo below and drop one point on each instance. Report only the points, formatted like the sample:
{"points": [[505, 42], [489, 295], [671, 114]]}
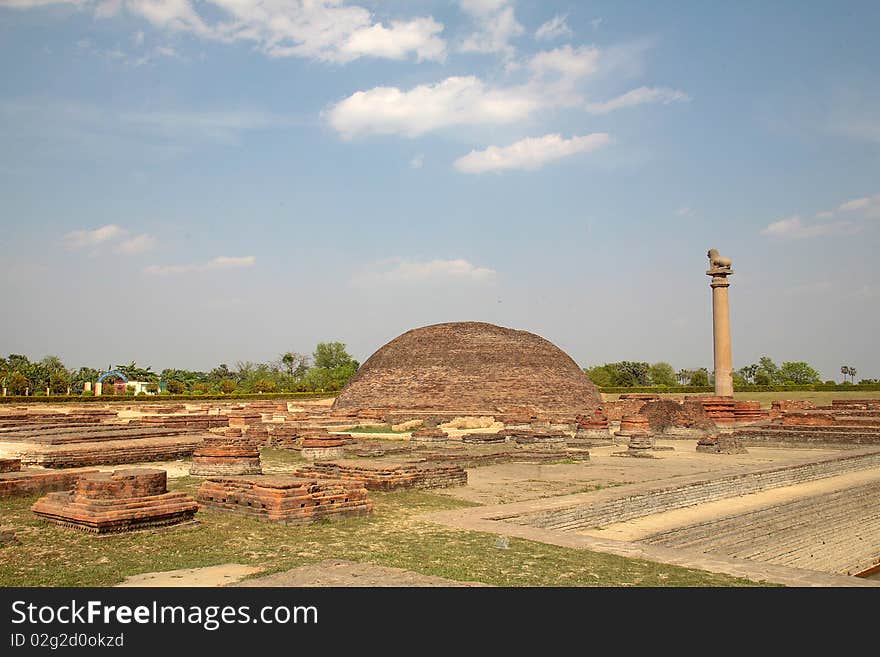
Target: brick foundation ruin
{"points": [[286, 499], [121, 501], [226, 455], [15, 481], [429, 435], [389, 476], [721, 443]]}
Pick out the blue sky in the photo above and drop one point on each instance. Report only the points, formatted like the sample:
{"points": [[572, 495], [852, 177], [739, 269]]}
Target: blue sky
{"points": [[187, 183]]}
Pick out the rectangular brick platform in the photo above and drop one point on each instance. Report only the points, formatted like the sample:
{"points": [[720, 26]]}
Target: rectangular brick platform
{"points": [[121, 501], [286, 499], [388, 476], [30, 481]]}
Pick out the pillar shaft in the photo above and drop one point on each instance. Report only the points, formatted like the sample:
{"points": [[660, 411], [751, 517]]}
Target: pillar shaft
{"points": [[721, 332], [719, 270]]}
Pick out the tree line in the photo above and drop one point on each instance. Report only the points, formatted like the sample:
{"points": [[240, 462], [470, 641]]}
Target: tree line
{"points": [[765, 372], [327, 369]]}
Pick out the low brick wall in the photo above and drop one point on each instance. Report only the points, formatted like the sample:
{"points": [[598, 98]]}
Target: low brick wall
{"points": [[29, 482]]}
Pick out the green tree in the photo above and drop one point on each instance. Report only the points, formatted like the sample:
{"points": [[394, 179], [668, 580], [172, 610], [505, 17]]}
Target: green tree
{"points": [[798, 372], [264, 385], [661, 374], [175, 387], [296, 364], [600, 375], [699, 377], [17, 383], [227, 386], [330, 355]]}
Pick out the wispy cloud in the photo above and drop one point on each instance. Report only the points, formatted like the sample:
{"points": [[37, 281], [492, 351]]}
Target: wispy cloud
{"points": [[793, 228], [555, 28], [554, 80], [685, 211], [640, 96], [216, 264], [530, 153], [80, 239], [325, 30], [137, 244], [868, 206], [496, 26], [431, 271], [417, 161]]}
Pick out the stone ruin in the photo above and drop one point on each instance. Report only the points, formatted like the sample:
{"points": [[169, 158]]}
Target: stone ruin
{"points": [[226, 455], [287, 499], [592, 427], [721, 410], [468, 369], [633, 425], [323, 446], [801, 424], [16, 481], [721, 443], [385, 476], [121, 501], [429, 435]]}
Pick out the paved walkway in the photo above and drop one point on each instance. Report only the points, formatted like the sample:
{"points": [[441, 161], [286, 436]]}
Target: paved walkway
{"points": [[502, 518]]}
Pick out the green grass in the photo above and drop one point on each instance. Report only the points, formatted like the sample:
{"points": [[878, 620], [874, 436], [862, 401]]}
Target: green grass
{"points": [[385, 428], [52, 556]]}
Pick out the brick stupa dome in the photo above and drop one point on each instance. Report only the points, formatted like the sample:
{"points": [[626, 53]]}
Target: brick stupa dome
{"points": [[470, 368]]}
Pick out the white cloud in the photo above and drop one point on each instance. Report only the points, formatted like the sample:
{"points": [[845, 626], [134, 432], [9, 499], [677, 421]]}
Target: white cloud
{"points": [[555, 28], [640, 96], [529, 154], [793, 228], [596, 22], [326, 30], [868, 206], [685, 212], [567, 63], [418, 161], [454, 101], [30, 4], [137, 244], [79, 239], [218, 263], [467, 100], [496, 26], [138, 38], [418, 36], [431, 271]]}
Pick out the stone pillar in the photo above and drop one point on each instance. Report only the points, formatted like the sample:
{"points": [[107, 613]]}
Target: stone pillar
{"points": [[98, 387], [719, 270], [88, 386], [4, 391]]}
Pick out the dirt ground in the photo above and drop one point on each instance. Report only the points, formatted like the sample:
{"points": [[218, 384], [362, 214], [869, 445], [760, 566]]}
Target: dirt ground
{"points": [[334, 572]]}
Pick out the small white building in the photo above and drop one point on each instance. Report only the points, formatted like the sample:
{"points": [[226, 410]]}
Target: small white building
{"points": [[139, 387]]}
